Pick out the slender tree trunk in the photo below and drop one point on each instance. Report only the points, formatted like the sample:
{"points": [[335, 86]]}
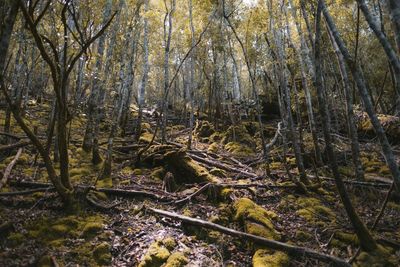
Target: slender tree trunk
{"points": [[142, 89], [366, 241], [351, 123], [192, 82]]}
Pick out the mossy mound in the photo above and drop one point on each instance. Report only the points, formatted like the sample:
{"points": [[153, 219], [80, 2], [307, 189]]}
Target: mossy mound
{"points": [[256, 219], [265, 257], [213, 148], [102, 254], [55, 232], [176, 259], [204, 129], [380, 257], [185, 169], [313, 211], [238, 134], [160, 252], [238, 149]]}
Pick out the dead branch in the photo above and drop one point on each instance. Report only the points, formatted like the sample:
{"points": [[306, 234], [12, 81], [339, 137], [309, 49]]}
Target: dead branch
{"points": [[290, 249], [19, 144], [8, 169]]}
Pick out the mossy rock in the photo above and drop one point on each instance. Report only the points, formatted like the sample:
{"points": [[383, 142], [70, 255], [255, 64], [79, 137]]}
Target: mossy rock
{"points": [[169, 243], [238, 134], [313, 211], [256, 219], [185, 169], [268, 258], [380, 257], [239, 149], [158, 173], [156, 255], [303, 236], [102, 254], [91, 229], [177, 259], [213, 148], [204, 129]]}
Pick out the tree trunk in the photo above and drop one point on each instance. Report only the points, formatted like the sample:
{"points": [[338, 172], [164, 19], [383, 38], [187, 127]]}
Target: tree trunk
{"points": [[366, 241]]}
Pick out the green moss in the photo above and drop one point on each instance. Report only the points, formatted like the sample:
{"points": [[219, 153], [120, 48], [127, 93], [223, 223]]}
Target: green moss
{"points": [[238, 134], [204, 129], [303, 236], [15, 239], [158, 173], [169, 243], [257, 220], [264, 258], [215, 137], [156, 255], [313, 211], [380, 257], [104, 183], [177, 259], [102, 254], [91, 229], [45, 261], [349, 239], [238, 149], [146, 137], [213, 148]]}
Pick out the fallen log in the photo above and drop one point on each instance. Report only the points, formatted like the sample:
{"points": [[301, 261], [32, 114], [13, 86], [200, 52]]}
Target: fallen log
{"points": [[26, 192], [11, 135], [223, 166], [290, 249], [19, 144], [9, 168], [356, 183], [110, 191]]}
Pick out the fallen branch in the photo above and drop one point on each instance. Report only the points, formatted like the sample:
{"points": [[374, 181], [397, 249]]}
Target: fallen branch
{"points": [[26, 192], [19, 144], [356, 183], [110, 191], [290, 249], [11, 135], [9, 168], [223, 166]]}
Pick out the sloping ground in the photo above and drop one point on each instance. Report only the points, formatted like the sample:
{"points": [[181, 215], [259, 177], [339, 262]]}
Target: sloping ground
{"points": [[127, 235]]}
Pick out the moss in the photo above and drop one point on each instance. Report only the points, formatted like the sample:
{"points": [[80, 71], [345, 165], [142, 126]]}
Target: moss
{"points": [[15, 239], [45, 261], [156, 255], [138, 172], [104, 183], [215, 137], [238, 149], [185, 169], [218, 172], [91, 229], [169, 243], [213, 148], [238, 134], [312, 210], [79, 172], [384, 170], [303, 236], [349, 239], [214, 236], [158, 173], [177, 259], [204, 129], [127, 171], [380, 257], [264, 257], [146, 137], [257, 220], [102, 254]]}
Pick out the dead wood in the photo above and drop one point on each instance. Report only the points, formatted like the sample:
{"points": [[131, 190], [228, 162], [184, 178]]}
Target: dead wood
{"points": [[19, 144], [290, 249], [9, 168]]}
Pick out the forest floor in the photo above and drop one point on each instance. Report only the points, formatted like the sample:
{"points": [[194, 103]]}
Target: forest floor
{"points": [[42, 234]]}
